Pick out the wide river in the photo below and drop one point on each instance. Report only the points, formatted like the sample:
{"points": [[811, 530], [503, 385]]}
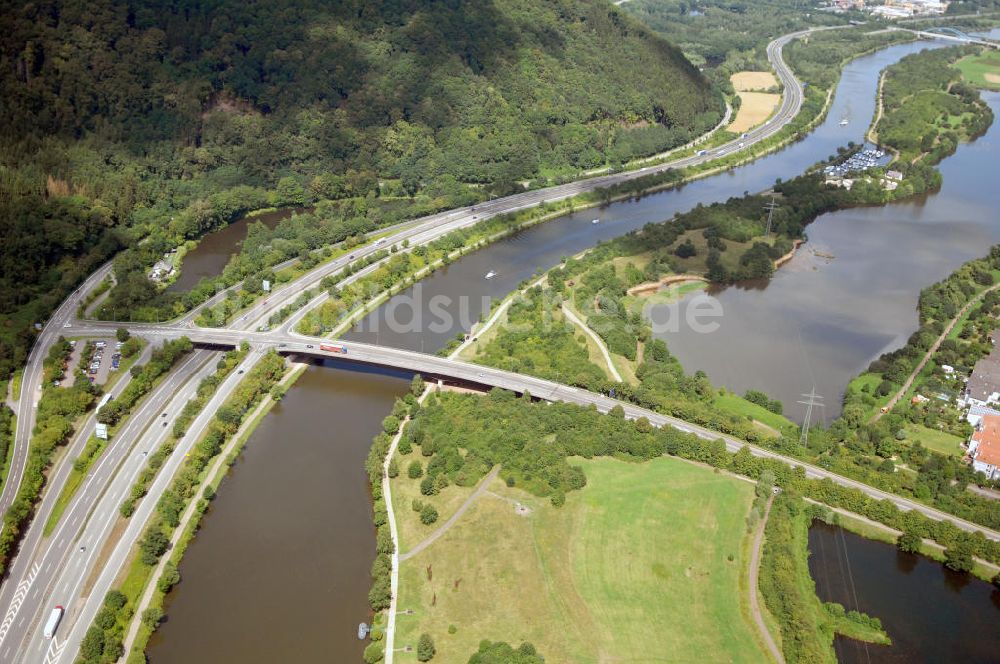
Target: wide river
{"points": [[279, 570]]}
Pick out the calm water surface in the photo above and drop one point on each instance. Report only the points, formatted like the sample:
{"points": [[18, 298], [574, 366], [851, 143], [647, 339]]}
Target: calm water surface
{"points": [[279, 571], [931, 613], [821, 321]]}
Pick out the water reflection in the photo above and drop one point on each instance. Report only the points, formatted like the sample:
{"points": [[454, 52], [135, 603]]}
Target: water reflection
{"points": [[931, 613]]}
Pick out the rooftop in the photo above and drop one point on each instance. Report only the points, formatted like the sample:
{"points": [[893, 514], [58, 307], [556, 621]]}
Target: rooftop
{"points": [[988, 439], [985, 379]]}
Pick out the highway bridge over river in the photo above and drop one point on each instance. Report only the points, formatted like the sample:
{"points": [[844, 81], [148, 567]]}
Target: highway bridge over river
{"points": [[465, 373], [950, 34]]}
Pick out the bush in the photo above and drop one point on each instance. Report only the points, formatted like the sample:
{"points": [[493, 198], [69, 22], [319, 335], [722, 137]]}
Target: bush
{"points": [[152, 617], [686, 249], [374, 653], [428, 486], [425, 648], [958, 558], [415, 470], [390, 424], [909, 542], [428, 515], [153, 545], [171, 576]]}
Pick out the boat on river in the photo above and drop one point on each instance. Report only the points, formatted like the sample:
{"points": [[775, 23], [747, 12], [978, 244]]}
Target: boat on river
{"points": [[491, 274]]}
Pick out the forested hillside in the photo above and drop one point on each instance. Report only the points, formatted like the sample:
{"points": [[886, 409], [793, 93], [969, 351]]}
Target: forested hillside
{"points": [[124, 120]]}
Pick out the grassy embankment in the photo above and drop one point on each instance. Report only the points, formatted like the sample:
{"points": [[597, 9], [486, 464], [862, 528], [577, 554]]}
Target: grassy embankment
{"points": [[647, 558], [928, 548]]}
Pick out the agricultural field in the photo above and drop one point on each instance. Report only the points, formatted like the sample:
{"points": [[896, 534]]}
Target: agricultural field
{"points": [[648, 559], [982, 70], [755, 105], [746, 81]]}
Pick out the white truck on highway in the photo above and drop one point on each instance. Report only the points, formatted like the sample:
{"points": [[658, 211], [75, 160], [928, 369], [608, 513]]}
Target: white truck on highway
{"points": [[53, 622]]}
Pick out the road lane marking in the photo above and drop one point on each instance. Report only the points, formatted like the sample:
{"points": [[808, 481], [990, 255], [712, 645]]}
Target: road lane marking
{"points": [[55, 650]]}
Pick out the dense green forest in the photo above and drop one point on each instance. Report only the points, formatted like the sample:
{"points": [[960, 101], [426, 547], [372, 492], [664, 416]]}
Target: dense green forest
{"points": [[727, 33], [146, 120]]}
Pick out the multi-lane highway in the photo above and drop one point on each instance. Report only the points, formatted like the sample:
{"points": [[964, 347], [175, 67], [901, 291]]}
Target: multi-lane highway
{"points": [[49, 571], [31, 383], [81, 589], [432, 365], [75, 543]]}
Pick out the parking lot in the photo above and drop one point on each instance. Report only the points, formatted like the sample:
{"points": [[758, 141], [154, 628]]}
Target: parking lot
{"points": [[102, 356]]}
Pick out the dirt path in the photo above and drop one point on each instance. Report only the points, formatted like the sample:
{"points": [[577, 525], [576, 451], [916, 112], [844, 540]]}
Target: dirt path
{"points": [[597, 340], [758, 616], [443, 528], [930, 351]]}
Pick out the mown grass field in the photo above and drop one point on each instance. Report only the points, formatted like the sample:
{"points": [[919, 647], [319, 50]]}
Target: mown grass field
{"points": [[633, 568], [932, 439], [982, 70]]}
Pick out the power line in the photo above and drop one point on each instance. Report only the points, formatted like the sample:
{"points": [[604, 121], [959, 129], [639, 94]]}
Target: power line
{"points": [[770, 207], [811, 399]]}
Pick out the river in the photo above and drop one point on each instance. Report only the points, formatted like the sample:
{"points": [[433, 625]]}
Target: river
{"points": [[931, 613], [279, 570]]}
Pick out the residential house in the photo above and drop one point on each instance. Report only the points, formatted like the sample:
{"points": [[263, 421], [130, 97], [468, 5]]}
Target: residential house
{"points": [[983, 387], [977, 412], [984, 447]]}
